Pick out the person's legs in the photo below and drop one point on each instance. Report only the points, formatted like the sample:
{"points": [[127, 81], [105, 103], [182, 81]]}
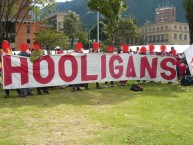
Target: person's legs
{"points": [[22, 92], [112, 84], [39, 91], [86, 86], [45, 90], [106, 84], [74, 87], [98, 86], [6, 93], [29, 91]]}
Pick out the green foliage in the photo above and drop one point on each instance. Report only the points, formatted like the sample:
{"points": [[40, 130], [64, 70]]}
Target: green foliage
{"points": [[51, 37], [72, 25], [126, 29], [111, 9], [188, 6], [14, 11]]}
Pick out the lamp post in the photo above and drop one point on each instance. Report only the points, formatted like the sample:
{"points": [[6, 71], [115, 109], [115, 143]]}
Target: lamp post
{"points": [[98, 26], [89, 35]]}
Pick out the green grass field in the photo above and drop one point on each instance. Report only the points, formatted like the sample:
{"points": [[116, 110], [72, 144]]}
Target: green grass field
{"points": [[162, 114]]}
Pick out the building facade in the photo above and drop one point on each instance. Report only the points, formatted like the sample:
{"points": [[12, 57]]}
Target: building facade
{"points": [[171, 33], [165, 29], [165, 14], [57, 20]]}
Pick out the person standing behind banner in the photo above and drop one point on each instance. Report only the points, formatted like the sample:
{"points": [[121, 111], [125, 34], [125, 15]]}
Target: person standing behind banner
{"points": [[125, 49], [151, 50], [163, 51], [110, 49], [174, 54], [7, 50], [142, 51], [96, 50], [36, 54], [23, 52], [78, 49]]}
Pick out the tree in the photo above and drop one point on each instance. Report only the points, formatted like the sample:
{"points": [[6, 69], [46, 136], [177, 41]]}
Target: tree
{"points": [[127, 29], [52, 38], [72, 26], [188, 6], [14, 11], [111, 10]]}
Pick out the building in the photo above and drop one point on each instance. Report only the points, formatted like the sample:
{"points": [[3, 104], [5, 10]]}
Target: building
{"points": [[57, 20], [165, 14], [165, 33], [20, 28], [165, 29]]}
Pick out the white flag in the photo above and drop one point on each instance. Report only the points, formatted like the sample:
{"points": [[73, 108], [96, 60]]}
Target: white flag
{"points": [[189, 58]]}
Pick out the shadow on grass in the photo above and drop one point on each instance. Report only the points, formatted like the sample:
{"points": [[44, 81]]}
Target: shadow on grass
{"points": [[105, 96]]}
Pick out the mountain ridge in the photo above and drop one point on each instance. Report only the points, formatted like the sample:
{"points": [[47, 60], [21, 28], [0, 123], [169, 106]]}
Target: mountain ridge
{"points": [[136, 8]]}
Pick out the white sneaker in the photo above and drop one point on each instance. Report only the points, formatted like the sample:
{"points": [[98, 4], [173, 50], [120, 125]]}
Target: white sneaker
{"points": [[106, 86]]}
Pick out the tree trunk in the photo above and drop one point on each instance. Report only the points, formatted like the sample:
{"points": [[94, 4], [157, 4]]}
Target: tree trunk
{"points": [[190, 23]]}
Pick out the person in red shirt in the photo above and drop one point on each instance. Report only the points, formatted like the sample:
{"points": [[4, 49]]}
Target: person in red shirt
{"points": [[183, 68], [7, 50]]}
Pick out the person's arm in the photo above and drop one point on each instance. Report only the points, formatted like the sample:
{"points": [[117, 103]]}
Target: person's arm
{"points": [[35, 56]]}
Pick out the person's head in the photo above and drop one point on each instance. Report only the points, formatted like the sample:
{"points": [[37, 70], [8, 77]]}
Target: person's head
{"points": [[5, 44], [110, 49], [36, 45], [162, 48], [24, 47]]}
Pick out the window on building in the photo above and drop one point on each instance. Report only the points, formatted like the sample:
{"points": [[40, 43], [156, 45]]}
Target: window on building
{"points": [[180, 37], [157, 28], [162, 27], [166, 27], [153, 38], [185, 37], [175, 36], [28, 28], [28, 41], [175, 27], [180, 27], [166, 38], [185, 28], [162, 38], [158, 38]]}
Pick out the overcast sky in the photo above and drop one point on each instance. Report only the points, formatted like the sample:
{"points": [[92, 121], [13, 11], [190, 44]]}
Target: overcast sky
{"points": [[62, 0]]}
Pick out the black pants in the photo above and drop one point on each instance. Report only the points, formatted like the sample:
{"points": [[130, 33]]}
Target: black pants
{"points": [[45, 89], [7, 91]]}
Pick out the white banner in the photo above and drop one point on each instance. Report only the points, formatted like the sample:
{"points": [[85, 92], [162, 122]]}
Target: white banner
{"points": [[55, 70], [189, 58]]}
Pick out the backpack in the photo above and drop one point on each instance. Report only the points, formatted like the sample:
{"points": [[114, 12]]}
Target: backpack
{"points": [[186, 80], [136, 87]]}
